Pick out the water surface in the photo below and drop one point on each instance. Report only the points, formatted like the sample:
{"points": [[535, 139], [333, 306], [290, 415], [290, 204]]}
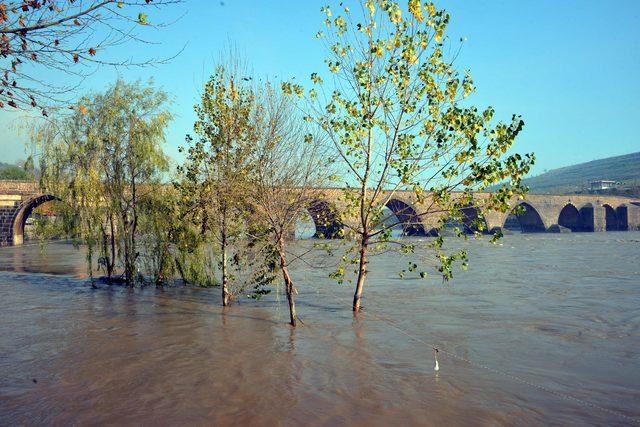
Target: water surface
{"points": [[538, 325]]}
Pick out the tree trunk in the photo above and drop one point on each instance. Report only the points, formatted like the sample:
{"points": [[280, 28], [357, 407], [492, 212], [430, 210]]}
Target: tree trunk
{"points": [[289, 289], [134, 230], [128, 266], [112, 261], [90, 261], [161, 263], [362, 275], [109, 248], [225, 285], [131, 212], [104, 252]]}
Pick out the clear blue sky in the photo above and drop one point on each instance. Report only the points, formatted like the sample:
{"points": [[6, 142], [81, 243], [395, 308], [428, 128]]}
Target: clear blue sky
{"points": [[571, 68]]}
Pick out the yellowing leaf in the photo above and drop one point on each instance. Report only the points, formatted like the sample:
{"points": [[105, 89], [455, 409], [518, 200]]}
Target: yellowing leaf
{"points": [[372, 7], [431, 9], [416, 10], [396, 16]]}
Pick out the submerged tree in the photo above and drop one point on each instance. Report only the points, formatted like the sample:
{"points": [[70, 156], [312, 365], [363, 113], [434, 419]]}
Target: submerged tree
{"points": [[215, 178], [398, 120], [162, 235], [290, 166], [132, 121], [102, 162], [64, 36]]}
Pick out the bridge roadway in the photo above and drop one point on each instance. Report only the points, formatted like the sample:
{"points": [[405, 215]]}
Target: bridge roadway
{"points": [[541, 212]]}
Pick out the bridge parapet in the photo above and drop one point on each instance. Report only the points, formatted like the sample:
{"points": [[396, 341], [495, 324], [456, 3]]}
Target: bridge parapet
{"points": [[18, 187]]}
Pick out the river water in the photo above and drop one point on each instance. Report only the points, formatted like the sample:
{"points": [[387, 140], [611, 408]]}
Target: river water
{"points": [[542, 329]]}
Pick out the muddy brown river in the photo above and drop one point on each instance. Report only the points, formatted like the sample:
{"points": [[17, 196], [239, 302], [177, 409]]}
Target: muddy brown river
{"points": [[542, 329]]}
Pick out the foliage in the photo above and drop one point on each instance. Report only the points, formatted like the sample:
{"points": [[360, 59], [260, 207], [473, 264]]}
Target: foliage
{"points": [[398, 119], [197, 264], [159, 229], [214, 181], [14, 172], [46, 228], [102, 162]]}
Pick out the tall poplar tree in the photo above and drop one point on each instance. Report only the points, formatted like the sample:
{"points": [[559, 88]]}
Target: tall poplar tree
{"points": [[215, 176], [396, 112]]}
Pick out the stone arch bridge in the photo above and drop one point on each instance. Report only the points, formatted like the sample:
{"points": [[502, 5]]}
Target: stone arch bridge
{"points": [[540, 212]]}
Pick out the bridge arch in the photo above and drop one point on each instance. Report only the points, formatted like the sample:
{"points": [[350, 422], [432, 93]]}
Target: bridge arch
{"points": [[473, 220], [22, 214], [406, 216], [529, 221], [326, 220], [622, 212], [610, 218], [569, 217]]}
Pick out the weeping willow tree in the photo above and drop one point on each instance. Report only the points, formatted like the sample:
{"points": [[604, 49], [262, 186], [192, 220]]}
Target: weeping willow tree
{"points": [[102, 162], [396, 111]]}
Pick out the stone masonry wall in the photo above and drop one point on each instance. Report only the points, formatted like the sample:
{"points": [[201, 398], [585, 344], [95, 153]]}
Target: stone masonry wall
{"points": [[7, 214], [18, 187]]}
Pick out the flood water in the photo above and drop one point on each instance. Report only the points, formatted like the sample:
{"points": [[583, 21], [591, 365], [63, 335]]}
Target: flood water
{"points": [[542, 329]]}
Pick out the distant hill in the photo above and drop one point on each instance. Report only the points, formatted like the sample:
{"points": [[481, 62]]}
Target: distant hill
{"points": [[570, 179], [12, 172]]}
